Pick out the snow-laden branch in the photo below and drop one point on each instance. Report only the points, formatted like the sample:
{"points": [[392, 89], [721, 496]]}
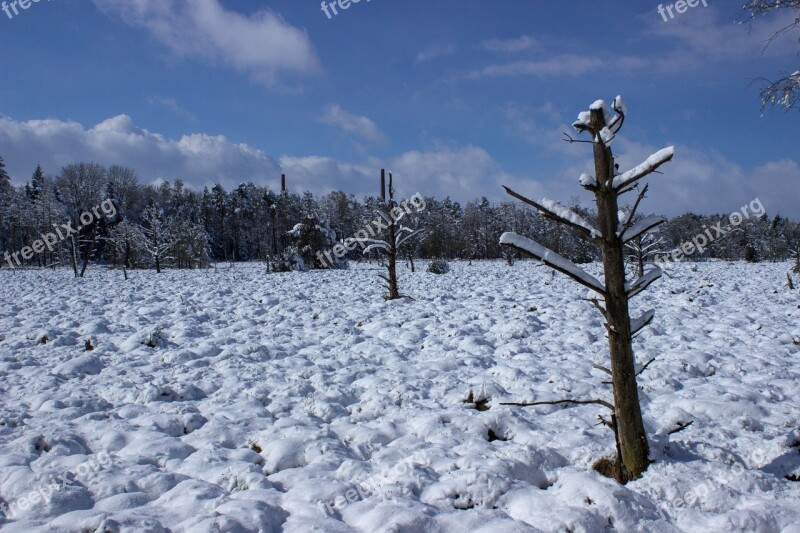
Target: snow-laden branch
{"points": [[588, 182], [624, 181], [373, 244], [553, 260], [377, 246], [622, 110], [414, 234], [643, 321], [640, 284], [643, 226], [559, 213]]}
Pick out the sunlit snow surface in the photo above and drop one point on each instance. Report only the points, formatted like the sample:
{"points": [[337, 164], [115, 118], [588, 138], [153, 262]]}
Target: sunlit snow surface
{"points": [[268, 396]]}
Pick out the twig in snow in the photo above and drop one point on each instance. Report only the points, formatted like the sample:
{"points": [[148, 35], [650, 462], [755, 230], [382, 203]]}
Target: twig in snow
{"points": [[559, 402], [681, 427]]}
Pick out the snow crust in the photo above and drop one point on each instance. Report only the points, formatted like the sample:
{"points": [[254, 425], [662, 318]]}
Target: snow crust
{"points": [[267, 394]]}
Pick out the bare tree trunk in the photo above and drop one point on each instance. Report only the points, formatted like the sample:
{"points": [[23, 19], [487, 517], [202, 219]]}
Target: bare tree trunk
{"points": [[73, 255], [632, 437], [394, 292], [88, 252]]}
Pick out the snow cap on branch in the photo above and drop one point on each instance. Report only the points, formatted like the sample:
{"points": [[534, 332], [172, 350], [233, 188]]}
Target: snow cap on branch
{"points": [[553, 260], [570, 215], [587, 181], [613, 122], [630, 177]]}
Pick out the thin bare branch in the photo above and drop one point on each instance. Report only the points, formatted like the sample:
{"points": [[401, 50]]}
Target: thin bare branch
{"points": [[600, 308], [604, 369], [572, 140], [629, 219], [647, 364], [561, 402], [681, 427]]}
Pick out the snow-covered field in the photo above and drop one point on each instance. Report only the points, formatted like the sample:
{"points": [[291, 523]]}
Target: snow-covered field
{"points": [[303, 402]]}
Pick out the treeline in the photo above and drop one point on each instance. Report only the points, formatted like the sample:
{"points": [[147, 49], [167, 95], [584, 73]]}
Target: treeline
{"points": [[173, 226]]}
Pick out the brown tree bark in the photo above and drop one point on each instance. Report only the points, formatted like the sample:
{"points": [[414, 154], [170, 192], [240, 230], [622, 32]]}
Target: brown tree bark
{"points": [[394, 292], [632, 437]]}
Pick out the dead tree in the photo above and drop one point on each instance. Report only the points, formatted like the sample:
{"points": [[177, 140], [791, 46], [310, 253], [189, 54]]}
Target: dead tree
{"points": [[156, 237], [395, 236], [614, 293], [643, 249]]}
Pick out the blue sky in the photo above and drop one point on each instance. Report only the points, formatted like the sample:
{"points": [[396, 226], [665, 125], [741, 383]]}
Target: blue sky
{"points": [[456, 97]]}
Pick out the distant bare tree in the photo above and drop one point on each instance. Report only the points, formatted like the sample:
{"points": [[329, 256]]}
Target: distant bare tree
{"points": [[616, 291], [785, 91], [395, 236], [156, 236], [643, 249], [81, 187]]}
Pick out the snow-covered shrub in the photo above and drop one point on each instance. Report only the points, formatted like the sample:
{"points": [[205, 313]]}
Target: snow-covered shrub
{"points": [[289, 261], [439, 266], [751, 254], [311, 238]]}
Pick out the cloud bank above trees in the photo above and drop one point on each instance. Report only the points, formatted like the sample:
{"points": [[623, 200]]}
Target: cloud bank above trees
{"points": [[699, 180]]}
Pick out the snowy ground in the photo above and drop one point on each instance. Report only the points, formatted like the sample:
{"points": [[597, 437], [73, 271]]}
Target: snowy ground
{"points": [[268, 401]]}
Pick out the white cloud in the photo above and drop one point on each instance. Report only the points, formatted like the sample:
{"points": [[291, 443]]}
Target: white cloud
{"points": [[700, 38], [463, 173], [562, 65], [359, 126], [198, 159], [696, 180], [171, 104], [700, 181], [262, 44], [325, 174], [519, 44], [434, 51]]}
